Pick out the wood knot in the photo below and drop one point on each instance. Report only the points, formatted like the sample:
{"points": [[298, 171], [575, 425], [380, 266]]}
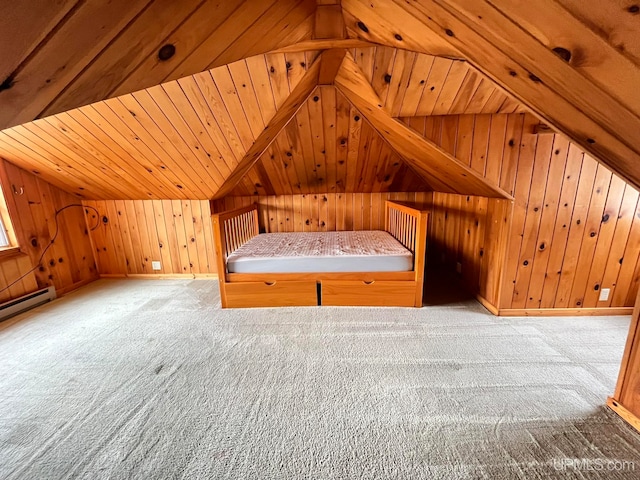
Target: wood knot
{"points": [[8, 82], [563, 53], [362, 27], [449, 33], [398, 37], [633, 9], [166, 52], [387, 78]]}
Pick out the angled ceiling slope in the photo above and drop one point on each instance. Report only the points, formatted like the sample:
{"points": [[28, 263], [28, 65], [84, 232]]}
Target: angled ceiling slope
{"points": [[181, 139], [438, 168], [575, 64], [68, 53], [329, 147], [186, 138]]}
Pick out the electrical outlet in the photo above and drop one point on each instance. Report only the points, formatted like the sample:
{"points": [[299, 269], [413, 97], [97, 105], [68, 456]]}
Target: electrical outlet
{"points": [[604, 294], [458, 267], [155, 265]]}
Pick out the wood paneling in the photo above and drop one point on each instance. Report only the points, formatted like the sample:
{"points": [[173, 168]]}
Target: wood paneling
{"points": [[134, 233], [626, 399], [441, 170], [469, 233], [585, 91], [328, 147], [76, 53], [178, 140], [69, 262], [574, 229], [382, 25], [414, 84], [323, 211]]}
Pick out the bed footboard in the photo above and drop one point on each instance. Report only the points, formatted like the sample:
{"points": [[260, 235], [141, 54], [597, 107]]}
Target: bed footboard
{"points": [[408, 225], [231, 230]]}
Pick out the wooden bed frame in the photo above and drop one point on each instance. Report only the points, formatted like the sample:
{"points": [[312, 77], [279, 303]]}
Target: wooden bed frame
{"points": [[234, 228]]}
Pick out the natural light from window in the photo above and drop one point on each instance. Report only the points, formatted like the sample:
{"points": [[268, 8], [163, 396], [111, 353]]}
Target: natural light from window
{"points": [[4, 238], [8, 239]]}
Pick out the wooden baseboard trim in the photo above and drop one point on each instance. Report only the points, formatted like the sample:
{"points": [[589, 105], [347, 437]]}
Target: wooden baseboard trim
{"points": [[162, 276], [63, 291], [552, 312], [625, 414], [564, 312], [486, 304]]}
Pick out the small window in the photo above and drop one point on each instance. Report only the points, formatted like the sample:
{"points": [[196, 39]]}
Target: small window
{"points": [[4, 237], [7, 235]]}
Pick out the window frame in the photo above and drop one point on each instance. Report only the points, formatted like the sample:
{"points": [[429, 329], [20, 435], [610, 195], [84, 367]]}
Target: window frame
{"points": [[8, 214]]}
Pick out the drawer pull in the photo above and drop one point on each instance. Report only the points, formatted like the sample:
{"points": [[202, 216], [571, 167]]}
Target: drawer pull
{"points": [[369, 283], [270, 284]]}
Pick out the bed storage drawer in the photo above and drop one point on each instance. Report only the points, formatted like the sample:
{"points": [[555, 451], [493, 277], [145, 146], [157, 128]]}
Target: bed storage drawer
{"points": [[376, 293], [276, 294]]}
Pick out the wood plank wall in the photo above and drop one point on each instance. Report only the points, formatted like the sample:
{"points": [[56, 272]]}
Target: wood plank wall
{"points": [[69, 263], [322, 212], [626, 398], [575, 227], [178, 233]]}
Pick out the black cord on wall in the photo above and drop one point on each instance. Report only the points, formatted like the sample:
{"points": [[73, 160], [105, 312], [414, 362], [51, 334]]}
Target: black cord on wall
{"points": [[53, 239]]}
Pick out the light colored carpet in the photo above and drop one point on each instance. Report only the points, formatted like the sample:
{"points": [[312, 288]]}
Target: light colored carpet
{"points": [[152, 380]]}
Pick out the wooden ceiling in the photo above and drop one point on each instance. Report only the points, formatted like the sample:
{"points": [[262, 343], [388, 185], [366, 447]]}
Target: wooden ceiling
{"points": [[575, 64], [178, 140], [329, 147], [197, 135], [413, 84], [184, 138], [62, 54]]}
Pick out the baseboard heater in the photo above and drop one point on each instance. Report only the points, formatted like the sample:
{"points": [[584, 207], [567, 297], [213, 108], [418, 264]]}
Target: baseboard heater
{"points": [[26, 302]]}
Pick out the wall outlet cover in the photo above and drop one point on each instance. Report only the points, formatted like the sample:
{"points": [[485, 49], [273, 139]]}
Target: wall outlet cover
{"points": [[155, 265], [604, 294]]}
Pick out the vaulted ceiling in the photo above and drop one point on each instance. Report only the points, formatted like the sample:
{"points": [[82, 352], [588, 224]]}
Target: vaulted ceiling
{"points": [[202, 99]]}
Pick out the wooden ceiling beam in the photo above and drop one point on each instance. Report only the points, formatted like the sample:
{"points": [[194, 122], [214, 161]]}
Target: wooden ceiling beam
{"points": [[329, 22], [325, 44], [441, 170], [283, 116], [331, 61]]}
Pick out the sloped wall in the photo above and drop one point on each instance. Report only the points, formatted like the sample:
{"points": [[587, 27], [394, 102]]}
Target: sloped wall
{"points": [[575, 227], [69, 263]]}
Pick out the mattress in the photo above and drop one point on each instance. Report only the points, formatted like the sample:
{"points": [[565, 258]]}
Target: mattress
{"points": [[361, 251]]}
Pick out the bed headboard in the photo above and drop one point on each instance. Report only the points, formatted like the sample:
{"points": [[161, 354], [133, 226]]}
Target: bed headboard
{"points": [[231, 230], [406, 224]]}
